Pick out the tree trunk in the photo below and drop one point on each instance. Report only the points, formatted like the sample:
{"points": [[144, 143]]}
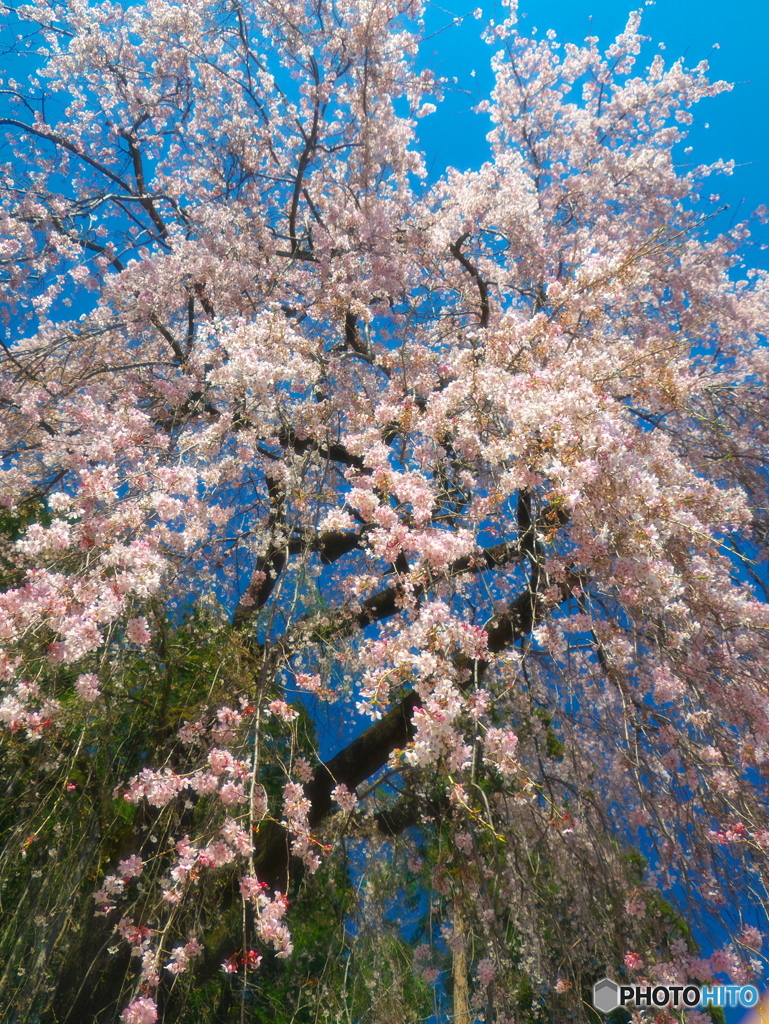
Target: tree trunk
{"points": [[461, 990]]}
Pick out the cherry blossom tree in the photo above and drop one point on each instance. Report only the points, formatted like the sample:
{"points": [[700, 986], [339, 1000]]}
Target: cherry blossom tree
{"points": [[375, 551]]}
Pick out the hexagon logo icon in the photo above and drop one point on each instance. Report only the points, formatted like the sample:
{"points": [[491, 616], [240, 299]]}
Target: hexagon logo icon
{"points": [[605, 995]]}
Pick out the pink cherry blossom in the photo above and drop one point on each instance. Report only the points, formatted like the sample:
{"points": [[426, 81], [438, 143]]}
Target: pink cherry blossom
{"points": [[141, 1011], [347, 801], [131, 867], [486, 971], [283, 711], [138, 631], [87, 686]]}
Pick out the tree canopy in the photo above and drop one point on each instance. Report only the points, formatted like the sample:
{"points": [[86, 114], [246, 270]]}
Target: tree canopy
{"points": [[383, 625]]}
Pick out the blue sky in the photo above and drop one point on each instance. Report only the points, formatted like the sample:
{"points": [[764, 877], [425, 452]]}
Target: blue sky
{"points": [[737, 122]]}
